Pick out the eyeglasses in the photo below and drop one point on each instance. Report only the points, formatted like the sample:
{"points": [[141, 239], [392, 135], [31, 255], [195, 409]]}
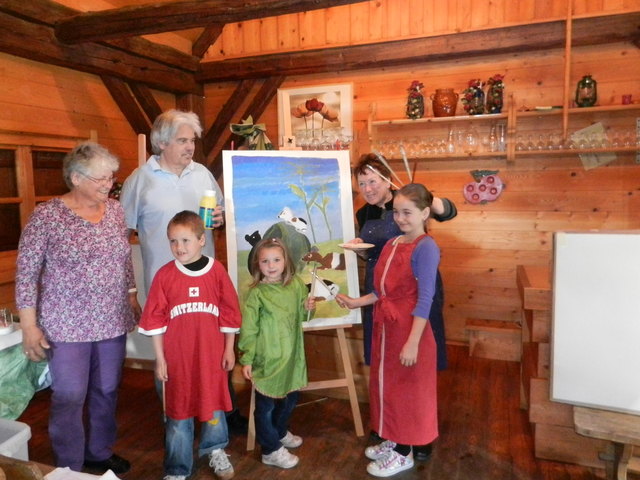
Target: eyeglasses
{"points": [[100, 181]]}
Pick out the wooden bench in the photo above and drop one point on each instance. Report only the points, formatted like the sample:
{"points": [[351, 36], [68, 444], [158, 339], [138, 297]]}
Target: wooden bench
{"points": [[623, 429], [495, 339]]}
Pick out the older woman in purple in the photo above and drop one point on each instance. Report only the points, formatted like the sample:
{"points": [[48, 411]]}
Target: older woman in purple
{"points": [[76, 295]]}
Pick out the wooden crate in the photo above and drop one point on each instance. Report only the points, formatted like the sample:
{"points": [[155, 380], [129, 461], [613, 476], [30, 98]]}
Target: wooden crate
{"points": [[538, 324], [495, 339], [563, 444], [543, 410], [528, 366]]}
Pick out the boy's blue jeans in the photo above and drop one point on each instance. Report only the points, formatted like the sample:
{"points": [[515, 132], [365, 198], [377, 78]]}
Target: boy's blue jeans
{"points": [[179, 442], [272, 419]]}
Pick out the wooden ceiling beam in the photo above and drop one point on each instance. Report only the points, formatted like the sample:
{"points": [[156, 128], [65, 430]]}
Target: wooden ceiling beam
{"points": [[36, 41], [224, 117], [207, 38], [128, 106], [517, 39], [47, 12], [164, 17], [145, 99], [257, 107], [155, 52]]}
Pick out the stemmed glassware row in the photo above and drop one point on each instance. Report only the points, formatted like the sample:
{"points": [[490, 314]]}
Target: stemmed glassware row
{"points": [[553, 141]]}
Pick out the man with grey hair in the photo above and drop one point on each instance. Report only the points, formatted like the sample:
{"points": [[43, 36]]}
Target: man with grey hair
{"points": [[170, 182]]}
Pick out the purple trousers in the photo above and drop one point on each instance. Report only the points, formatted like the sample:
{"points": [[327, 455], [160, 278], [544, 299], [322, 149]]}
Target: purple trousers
{"points": [[84, 374]]}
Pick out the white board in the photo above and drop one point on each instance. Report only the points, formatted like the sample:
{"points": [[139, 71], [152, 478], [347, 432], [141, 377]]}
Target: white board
{"points": [[596, 320]]}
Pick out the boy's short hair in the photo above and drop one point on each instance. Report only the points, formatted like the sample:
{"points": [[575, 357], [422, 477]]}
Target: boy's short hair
{"points": [[190, 219]]}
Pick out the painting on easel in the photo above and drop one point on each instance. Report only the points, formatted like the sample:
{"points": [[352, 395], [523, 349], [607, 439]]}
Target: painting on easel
{"points": [[303, 198]]}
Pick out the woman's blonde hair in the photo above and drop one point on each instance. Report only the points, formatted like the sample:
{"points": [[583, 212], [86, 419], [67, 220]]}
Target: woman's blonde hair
{"points": [[289, 267]]}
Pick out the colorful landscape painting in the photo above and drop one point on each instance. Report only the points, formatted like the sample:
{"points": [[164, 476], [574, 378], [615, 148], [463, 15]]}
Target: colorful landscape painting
{"points": [[303, 198]]}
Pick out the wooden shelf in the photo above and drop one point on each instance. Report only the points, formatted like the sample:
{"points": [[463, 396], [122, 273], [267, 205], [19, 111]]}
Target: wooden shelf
{"points": [[540, 113], [577, 110], [457, 118], [516, 123], [604, 108], [576, 151], [458, 156]]}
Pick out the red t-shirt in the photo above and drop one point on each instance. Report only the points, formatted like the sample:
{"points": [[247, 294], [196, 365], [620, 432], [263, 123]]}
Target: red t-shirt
{"points": [[193, 310]]}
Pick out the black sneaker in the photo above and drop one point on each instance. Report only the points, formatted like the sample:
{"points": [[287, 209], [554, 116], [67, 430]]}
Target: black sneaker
{"points": [[115, 463], [422, 453]]}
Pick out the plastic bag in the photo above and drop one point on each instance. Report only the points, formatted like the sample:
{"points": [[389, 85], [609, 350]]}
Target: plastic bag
{"points": [[19, 380]]}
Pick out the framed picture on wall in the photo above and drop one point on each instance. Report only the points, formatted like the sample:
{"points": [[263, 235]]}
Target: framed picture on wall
{"points": [[312, 115], [304, 199]]}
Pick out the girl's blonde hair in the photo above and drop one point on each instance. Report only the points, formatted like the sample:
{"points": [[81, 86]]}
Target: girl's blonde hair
{"points": [[289, 268]]}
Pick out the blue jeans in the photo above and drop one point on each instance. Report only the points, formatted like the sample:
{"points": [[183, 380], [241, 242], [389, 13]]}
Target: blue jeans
{"points": [[179, 442], [272, 420], [84, 374]]}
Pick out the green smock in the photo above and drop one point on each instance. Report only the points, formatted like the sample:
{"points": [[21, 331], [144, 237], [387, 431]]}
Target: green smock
{"points": [[271, 338]]}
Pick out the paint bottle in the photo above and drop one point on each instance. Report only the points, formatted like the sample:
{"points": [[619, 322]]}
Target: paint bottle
{"points": [[207, 206]]}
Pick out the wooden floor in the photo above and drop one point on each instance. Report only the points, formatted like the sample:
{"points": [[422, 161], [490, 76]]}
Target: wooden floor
{"points": [[483, 433]]}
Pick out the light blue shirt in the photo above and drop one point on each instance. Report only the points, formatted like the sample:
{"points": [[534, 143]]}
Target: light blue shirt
{"points": [[151, 196]]}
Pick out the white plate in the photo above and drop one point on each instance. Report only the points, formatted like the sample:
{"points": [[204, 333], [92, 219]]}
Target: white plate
{"points": [[356, 246]]}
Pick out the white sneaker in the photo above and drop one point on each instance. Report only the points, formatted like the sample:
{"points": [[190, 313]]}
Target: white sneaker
{"points": [[174, 477], [290, 440], [390, 464], [219, 461], [376, 452], [281, 458]]}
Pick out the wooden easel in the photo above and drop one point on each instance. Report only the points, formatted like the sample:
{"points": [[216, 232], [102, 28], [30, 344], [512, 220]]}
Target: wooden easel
{"points": [[346, 381]]}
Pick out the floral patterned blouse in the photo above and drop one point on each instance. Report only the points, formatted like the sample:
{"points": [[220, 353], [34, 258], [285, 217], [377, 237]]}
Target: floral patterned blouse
{"points": [[76, 273]]}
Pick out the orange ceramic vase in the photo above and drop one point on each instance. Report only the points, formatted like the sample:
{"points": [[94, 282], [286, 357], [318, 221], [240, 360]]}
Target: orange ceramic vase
{"points": [[444, 102]]}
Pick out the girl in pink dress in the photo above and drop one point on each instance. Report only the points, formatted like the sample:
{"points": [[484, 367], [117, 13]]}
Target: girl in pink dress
{"points": [[402, 386]]}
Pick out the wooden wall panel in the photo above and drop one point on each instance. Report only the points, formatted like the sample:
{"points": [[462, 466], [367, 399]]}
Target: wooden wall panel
{"points": [[58, 103], [483, 245], [337, 33], [7, 274], [269, 33], [313, 28], [384, 20], [359, 14], [288, 32], [252, 35]]}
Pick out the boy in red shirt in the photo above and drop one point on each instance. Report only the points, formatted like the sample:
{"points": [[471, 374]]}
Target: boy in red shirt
{"points": [[193, 314]]}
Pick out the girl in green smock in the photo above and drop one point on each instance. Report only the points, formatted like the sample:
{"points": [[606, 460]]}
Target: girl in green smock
{"points": [[272, 348]]}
